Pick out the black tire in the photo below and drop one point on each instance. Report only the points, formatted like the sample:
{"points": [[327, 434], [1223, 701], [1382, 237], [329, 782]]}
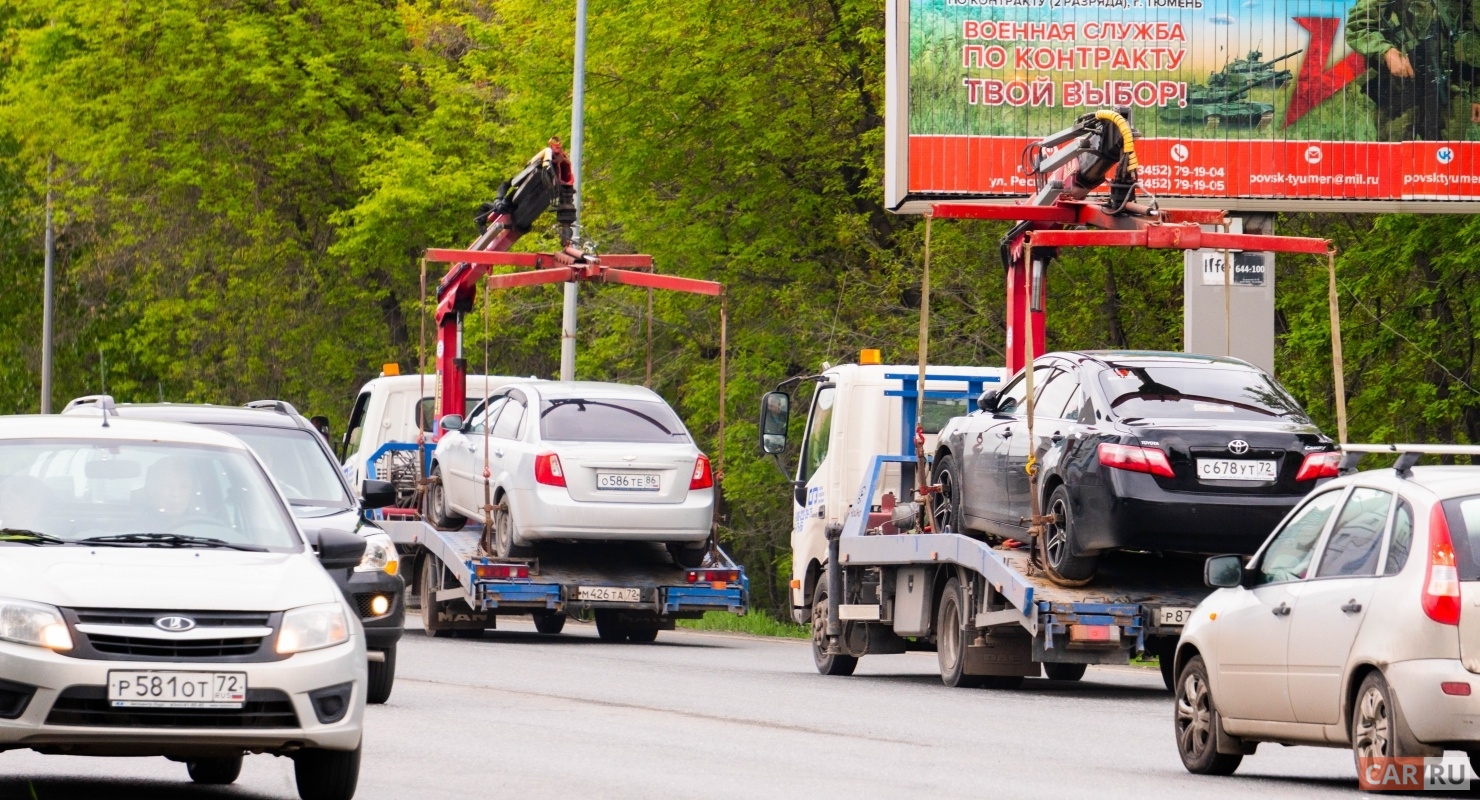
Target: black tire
{"points": [[549, 623], [1168, 664], [643, 634], [947, 506], [215, 771], [1064, 672], [688, 556], [431, 581], [1377, 725], [1195, 718], [437, 511], [827, 664], [327, 774], [950, 639], [505, 533], [609, 627], [382, 678], [1056, 544]]}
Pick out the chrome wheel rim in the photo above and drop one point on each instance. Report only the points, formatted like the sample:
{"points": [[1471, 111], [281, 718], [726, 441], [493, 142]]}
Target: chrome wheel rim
{"points": [[1194, 717], [1056, 538], [1372, 727], [948, 639], [944, 518]]}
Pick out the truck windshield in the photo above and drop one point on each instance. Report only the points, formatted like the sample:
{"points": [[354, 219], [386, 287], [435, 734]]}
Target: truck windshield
{"points": [[1204, 391], [572, 419], [296, 462], [147, 494]]}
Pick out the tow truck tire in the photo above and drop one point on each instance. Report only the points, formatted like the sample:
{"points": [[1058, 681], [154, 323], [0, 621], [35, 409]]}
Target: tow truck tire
{"points": [[609, 627], [327, 774], [549, 623], [1057, 543], [643, 634], [948, 508], [431, 581], [216, 771], [1064, 672], [950, 640], [827, 664], [1196, 720], [382, 678], [437, 508]]}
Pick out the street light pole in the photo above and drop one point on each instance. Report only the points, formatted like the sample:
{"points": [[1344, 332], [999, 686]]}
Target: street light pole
{"points": [[47, 293], [577, 137]]}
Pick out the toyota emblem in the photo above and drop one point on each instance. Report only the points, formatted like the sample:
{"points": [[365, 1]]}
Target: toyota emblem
{"points": [[1238, 447], [174, 624]]}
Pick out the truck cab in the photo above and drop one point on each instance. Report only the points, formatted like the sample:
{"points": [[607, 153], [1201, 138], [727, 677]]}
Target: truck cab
{"points": [[855, 414]]}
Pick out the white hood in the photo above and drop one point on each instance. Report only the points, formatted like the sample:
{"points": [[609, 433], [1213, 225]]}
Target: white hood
{"points": [[164, 579]]}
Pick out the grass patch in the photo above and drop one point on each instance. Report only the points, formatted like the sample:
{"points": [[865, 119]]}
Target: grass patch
{"points": [[755, 623]]}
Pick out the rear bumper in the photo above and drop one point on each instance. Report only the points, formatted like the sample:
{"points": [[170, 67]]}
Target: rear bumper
{"points": [[1434, 717], [549, 513], [1129, 511]]}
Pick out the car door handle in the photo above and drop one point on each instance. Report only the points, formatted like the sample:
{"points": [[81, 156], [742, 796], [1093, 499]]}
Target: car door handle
{"points": [[1281, 610], [1352, 606], [1007, 434], [498, 453]]}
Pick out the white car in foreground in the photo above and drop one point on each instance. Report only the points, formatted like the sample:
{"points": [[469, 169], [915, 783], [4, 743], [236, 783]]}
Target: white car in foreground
{"points": [[575, 461], [157, 598], [1357, 624]]}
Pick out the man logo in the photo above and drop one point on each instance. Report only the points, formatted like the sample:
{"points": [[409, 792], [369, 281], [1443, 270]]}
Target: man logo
{"points": [[1238, 447], [174, 624]]}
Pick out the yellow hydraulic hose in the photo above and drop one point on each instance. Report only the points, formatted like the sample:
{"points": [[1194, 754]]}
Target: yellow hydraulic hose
{"points": [[1125, 135]]}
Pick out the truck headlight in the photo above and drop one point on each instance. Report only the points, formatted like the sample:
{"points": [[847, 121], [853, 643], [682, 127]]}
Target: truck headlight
{"points": [[380, 554], [312, 627], [33, 623]]}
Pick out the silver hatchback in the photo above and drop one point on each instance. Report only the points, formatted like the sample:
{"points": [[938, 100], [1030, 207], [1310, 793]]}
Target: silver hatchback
{"points": [[574, 461]]}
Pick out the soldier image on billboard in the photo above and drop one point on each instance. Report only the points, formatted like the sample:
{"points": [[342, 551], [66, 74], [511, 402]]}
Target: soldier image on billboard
{"points": [[1422, 57]]}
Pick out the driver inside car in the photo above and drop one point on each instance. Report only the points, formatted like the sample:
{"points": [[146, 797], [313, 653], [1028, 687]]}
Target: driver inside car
{"points": [[173, 497]]}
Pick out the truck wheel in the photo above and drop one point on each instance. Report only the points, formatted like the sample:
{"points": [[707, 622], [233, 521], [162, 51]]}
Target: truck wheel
{"points": [[437, 509], [216, 771], [1196, 719], [1064, 672], [609, 627], [431, 581], [382, 677], [950, 640], [827, 664], [646, 633], [948, 508], [1056, 544], [327, 774], [549, 623], [505, 534]]}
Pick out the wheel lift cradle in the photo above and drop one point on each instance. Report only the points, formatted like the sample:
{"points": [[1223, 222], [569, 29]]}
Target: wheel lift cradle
{"points": [[1015, 618]]}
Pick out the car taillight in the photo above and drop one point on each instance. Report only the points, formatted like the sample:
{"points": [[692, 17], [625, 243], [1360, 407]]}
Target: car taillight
{"points": [[1136, 459], [547, 470], [1319, 465], [713, 575], [702, 478], [1441, 579], [502, 571]]}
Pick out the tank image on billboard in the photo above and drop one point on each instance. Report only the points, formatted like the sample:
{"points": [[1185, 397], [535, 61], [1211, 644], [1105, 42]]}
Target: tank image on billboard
{"points": [[1280, 104]]}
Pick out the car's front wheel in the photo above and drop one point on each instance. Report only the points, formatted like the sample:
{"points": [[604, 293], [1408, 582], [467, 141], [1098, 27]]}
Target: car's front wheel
{"points": [[1056, 545], [382, 677], [327, 774], [437, 509], [215, 771], [1197, 723]]}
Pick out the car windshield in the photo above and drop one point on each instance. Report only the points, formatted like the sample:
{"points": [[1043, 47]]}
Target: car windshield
{"points": [[571, 419], [1463, 516], [302, 468], [139, 494], [1204, 391]]}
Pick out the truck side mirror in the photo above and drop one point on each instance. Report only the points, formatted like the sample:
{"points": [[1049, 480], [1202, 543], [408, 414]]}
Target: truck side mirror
{"points": [[377, 494], [1224, 572], [775, 418], [451, 422], [988, 401]]}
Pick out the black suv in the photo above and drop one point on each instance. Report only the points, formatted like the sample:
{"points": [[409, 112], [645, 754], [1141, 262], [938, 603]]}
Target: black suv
{"points": [[300, 461]]}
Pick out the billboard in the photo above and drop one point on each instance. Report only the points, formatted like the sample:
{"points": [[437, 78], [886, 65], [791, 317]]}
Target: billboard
{"points": [[1263, 104]]}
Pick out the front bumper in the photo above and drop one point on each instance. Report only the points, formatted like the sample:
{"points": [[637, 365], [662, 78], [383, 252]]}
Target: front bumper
{"points": [[1433, 716], [295, 677], [549, 513], [381, 632], [1128, 510]]}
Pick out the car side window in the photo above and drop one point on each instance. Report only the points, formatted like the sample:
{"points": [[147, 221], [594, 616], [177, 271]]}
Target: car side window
{"points": [[1287, 558], [480, 418], [1062, 385], [1402, 538], [1356, 540], [1013, 399], [507, 426]]}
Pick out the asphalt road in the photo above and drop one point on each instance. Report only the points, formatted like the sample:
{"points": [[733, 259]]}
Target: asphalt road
{"points": [[518, 714]]}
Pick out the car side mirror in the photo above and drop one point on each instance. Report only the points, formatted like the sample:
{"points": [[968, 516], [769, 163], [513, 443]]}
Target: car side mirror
{"points": [[451, 422], [988, 401], [775, 419], [1224, 572], [377, 494], [340, 550]]}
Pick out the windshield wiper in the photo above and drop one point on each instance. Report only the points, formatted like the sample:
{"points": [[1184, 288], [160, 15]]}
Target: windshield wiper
{"points": [[169, 540], [24, 536]]}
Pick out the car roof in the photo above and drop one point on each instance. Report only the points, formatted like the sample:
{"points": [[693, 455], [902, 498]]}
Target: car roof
{"points": [[1442, 481], [1152, 357], [90, 428], [202, 414], [555, 390]]}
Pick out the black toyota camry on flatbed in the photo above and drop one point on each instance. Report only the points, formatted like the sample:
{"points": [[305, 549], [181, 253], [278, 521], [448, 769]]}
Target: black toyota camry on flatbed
{"points": [[1166, 452]]}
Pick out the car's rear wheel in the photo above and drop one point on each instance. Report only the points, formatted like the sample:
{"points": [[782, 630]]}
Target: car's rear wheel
{"points": [[1196, 720], [946, 509], [950, 641], [1377, 726], [687, 555], [827, 663], [327, 774], [1064, 672], [1056, 545], [216, 771], [549, 623], [382, 677], [505, 535], [437, 509]]}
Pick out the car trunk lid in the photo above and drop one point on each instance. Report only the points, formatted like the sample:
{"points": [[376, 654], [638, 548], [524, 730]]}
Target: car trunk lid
{"points": [[614, 472], [1213, 458]]}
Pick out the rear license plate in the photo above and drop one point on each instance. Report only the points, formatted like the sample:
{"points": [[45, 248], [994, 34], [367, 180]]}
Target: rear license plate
{"points": [[151, 689], [628, 481], [1173, 616], [608, 594], [1231, 469]]}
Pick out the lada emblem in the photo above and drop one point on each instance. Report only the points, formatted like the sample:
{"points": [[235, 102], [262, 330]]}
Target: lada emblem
{"points": [[1238, 447], [174, 624]]}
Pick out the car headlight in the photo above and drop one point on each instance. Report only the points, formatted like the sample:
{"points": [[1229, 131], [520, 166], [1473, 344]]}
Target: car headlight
{"points": [[312, 627], [33, 623], [380, 554]]}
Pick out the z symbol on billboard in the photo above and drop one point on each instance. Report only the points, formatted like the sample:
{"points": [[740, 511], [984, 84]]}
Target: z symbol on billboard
{"points": [[1445, 155], [1179, 153], [1313, 155]]}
